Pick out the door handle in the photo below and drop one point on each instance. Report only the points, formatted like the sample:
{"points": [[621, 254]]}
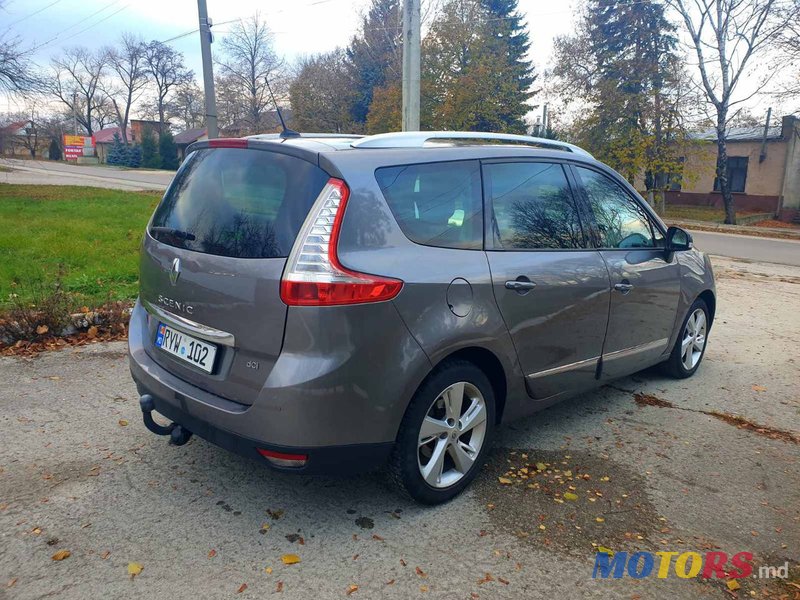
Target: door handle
{"points": [[521, 284], [623, 287]]}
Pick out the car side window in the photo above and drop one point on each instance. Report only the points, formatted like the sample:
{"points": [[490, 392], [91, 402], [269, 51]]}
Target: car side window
{"points": [[436, 204], [532, 207], [621, 222]]}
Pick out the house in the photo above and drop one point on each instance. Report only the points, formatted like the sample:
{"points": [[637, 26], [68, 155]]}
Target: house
{"points": [[104, 139], [21, 138], [763, 170], [190, 136]]}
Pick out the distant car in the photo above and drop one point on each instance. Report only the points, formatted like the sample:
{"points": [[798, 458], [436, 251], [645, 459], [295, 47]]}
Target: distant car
{"points": [[337, 303]]}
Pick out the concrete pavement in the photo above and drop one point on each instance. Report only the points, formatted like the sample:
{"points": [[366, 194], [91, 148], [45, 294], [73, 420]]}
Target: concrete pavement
{"points": [[79, 472]]}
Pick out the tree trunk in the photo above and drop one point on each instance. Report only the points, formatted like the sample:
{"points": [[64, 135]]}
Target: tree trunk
{"points": [[722, 170]]}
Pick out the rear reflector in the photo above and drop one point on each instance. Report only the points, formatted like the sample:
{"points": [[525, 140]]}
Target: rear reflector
{"points": [[282, 459], [314, 276], [228, 143]]}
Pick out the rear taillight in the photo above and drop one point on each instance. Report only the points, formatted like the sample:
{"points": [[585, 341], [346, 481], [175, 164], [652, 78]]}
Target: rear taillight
{"points": [[314, 276]]}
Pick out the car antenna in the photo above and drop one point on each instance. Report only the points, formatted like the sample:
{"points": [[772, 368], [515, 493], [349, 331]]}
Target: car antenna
{"points": [[286, 133]]}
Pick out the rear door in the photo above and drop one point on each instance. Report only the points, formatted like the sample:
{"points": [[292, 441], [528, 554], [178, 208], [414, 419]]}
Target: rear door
{"points": [[213, 257], [645, 280], [552, 288]]}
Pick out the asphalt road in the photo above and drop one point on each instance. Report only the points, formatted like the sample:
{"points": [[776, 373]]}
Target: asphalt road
{"points": [[79, 472], [759, 249], [60, 173]]}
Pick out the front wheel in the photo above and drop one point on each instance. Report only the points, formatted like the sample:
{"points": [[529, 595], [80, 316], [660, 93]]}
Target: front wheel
{"points": [[691, 343], [445, 433]]}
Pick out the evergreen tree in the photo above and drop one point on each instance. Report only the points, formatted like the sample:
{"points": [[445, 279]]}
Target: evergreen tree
{"points": [[54, 152], [168, 151], [134, 157], [374, 56], [117, 154], [150, 156]]}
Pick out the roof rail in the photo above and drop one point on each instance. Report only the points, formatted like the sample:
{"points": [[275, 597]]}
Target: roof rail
{"points": [[418, 139], [276, 136]]}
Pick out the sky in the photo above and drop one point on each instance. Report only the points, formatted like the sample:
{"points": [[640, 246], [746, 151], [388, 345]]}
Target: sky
{"points": [[300, 27]]}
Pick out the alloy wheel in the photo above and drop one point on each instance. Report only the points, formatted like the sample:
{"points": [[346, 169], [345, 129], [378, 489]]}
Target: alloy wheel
{"points": [[694, 339], [452, 435]]}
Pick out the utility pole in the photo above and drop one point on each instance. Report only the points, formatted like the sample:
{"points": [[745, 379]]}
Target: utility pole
{"points": [[411, 53], [208, 70], [75, 112]]}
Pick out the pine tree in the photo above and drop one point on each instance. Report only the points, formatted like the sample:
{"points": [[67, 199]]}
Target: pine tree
{"points": [[150, 156], [168, 151], [134, 157], [54, 152], [117, 154]]}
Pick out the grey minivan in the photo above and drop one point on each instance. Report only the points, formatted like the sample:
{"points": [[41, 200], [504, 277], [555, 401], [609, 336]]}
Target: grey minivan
{"points": [[339, 303]]}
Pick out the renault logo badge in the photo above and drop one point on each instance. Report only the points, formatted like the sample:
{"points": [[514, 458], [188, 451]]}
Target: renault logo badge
{"points": [[175, 271]]}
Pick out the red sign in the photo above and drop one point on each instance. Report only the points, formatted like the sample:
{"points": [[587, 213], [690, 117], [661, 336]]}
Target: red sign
{"points": [[76, 146]]}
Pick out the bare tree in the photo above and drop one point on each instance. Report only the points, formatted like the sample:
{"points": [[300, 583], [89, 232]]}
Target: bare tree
{"points": [[248, 66], [165, 66], [16, 70], [129, 64], [729, 37], [77, 73], [187, 106]]}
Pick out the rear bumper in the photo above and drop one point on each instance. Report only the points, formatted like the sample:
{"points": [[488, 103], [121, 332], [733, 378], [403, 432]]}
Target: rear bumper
{"points": [[343, 414]]}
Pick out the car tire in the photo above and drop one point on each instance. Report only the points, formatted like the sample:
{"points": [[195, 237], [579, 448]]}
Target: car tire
{"points": [[458, 444], [689, 349]]}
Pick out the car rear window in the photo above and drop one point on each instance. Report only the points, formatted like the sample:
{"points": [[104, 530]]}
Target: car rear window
{"points": [[436, 204], [238, 202]]}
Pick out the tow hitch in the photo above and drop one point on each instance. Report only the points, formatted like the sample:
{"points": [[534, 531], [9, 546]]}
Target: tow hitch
{"points": [[178, 435]]}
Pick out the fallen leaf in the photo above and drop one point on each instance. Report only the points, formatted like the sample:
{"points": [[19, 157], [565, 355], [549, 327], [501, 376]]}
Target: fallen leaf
{"points": [[423, 588], [105, 554], [503, 581], [732, 584], [212, 553], [390, 582], [134, 569], [606, 478], [123, 422], [376, 537], [486, 579], [268, 570], [42, 329], [351, 588], [570, 496], [421, 573], [290, 559], [91, 333], [605, 550], [756, 388], [242, 588], [542, 527], [403, 562], [13, 582], [61, 555], [600, 519], [540, 466], [279, 586], [37, 531], [504, 480]]}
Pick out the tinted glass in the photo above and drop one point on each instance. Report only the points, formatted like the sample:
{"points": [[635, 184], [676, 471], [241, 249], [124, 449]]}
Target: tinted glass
{"points": [[437, 204], [532, 207], [237, 202], [621, 222]]}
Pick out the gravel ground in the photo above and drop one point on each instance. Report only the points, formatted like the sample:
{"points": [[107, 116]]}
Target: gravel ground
{"points": [[666, 468]]}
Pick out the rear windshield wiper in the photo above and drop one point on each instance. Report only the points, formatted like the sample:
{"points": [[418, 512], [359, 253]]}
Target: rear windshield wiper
{"points": [[184, 235]]}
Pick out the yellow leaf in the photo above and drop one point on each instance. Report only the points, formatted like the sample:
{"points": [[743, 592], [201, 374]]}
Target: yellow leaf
{"points": [[606, 478], [134, 569], [567, 473], [42, 329], [733, 585], [540, 466], [608, 551], [61, 555], [504, 480], [570, 496], [600, 519], [756, 388], [123, 422], [268, 570], [290, 559], [542, 527]]}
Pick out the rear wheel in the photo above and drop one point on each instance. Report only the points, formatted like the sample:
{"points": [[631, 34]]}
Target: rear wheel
{"points": [[445, 433], [691, 343]]}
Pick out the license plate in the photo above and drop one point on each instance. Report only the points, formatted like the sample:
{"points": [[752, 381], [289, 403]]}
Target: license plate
{"points": [[185, 347]]}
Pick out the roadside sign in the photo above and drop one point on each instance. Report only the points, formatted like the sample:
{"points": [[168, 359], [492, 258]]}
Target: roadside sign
{"points": [[78, 145]]}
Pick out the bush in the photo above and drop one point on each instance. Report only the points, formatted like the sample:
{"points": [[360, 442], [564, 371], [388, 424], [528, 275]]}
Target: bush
{"points": [[150, 156], [54, 152], [168, 151], [46, 312]]}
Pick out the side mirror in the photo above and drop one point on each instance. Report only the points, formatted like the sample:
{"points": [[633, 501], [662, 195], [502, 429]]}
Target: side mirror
{"points": [[678, 239]]}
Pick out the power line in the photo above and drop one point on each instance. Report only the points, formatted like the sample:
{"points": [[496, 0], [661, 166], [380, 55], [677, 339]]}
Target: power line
{"points": [[77, 23], [34, 13]]}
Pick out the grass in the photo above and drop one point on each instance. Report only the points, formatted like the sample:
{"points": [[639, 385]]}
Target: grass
{"points": [[701, 213], [89, 235]]}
